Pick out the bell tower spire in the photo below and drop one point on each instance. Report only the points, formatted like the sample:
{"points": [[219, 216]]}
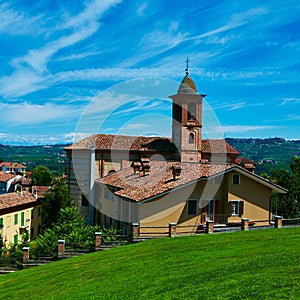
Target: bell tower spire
{"points": [[187, 119]]}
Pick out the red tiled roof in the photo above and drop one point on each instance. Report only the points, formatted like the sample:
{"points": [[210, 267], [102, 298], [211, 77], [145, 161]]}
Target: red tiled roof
{"points": [[244, 161], [39, 190], [8, 164], [142, 143], [137, 187], [124, 142], [4, 177], [217, 146], [11, 200]]}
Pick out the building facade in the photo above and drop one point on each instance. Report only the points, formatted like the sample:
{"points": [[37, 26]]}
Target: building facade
{"points": [[116, 180]]}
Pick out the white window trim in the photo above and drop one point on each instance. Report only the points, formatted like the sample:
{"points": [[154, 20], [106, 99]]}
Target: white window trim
{"points": [[238, 207]]}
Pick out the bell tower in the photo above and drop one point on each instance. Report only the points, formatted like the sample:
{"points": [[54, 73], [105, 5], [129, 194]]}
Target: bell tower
{"points": [[187, 119]]}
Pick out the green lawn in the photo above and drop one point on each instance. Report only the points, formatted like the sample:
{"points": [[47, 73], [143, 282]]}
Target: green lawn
{"points": [[259, 264]]}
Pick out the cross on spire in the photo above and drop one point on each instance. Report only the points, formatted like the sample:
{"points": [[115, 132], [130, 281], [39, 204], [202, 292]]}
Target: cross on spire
{"points": [[187, 66]]}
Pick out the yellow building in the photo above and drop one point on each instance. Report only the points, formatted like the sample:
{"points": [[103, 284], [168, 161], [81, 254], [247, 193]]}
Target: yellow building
{"points": [[117, 180], [188, 194], [19, 212]]}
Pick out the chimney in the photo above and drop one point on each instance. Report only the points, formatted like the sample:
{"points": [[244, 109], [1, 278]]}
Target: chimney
{"points": [[176, 171], [145, 166], [136, 167]]}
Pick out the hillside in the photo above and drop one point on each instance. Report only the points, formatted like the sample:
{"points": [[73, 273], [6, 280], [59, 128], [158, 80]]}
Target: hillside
{"points": [[271, 153], [258, 264], [53, 157]]}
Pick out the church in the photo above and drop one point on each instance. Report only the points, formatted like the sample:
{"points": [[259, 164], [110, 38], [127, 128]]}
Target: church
{"points": [[117, 180]]}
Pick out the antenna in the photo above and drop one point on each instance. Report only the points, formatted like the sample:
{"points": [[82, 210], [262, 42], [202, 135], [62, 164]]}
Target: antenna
{"points": [[187, 66]]}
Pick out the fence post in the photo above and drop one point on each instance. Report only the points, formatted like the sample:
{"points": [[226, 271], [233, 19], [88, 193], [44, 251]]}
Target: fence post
{"points": [[245, 224], [172, 229], [26, 251], [98, 239], [278, 221], [209, 227], [135, 230], [61, 247]]}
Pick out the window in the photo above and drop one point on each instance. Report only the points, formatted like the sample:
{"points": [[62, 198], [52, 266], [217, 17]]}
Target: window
{"points": [[191, 138], [236, 179], [191, 111], [210, 210], [1, 223], [22, 218], [84, 200], [16, 219], [237, 208], [39, 211], [192, 207]]}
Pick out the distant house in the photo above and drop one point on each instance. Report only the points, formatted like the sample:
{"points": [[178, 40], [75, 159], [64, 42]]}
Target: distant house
{"points": [[12, 167], [19, 212], [8, 182], [39, 191]]}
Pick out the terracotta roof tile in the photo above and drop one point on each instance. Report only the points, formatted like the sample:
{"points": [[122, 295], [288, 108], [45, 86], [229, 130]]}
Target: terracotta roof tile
{"points": [[4, 177], [8, 164], [142, 143], [217, 146], [10, 200], [137, 187], [124, 142]]}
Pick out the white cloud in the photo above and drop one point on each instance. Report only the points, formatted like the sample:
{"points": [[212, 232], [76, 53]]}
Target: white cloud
{"points": [[28, 114], [33, 65], [244, 128], [17, 22]]}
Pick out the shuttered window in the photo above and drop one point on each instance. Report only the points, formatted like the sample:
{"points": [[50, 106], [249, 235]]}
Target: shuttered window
{"points": [[237, 207], [22, 218], [16, 219]]}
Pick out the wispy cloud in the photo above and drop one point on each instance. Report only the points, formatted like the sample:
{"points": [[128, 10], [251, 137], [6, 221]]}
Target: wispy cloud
{"points": [[33, 65], [231, 129], [29, 114], [16, 22]]}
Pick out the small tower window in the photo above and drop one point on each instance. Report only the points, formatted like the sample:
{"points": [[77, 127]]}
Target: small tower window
{"points": [[191, 138], [191, 111]]}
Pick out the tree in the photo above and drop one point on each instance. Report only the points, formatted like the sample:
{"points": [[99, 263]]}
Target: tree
{"points": [[288, 204], [41, 175], [56, 198]]}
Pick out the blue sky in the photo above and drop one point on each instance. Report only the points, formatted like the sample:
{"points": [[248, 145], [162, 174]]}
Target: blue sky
{"points": [[64, 61]]}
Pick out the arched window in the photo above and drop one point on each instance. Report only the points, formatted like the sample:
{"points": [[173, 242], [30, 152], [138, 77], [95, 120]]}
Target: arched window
{"points": [[191, 111], [111, 172], [191, 138]]}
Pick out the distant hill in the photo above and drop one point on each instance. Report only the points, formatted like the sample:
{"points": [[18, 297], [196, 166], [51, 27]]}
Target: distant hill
{"points": [[271, 153], [51, 156]]}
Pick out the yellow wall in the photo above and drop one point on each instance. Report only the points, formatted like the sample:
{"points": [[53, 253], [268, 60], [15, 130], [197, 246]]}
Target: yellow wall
{"points": [[10, 230], [172, 207]]}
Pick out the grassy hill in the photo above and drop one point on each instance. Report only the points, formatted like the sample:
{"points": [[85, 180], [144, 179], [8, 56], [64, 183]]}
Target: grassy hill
{"points": [[259, 264], [271, 153]]}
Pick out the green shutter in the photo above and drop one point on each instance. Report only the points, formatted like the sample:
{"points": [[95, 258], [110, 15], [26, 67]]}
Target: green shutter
{"points": [[22, 218], [16, 219], [1, 223], [16, 239]]}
